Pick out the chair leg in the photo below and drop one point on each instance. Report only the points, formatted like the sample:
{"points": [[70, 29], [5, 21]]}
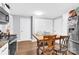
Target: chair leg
{"points": [[41, 53], [37, 51], [64, 53], [55, 52]]}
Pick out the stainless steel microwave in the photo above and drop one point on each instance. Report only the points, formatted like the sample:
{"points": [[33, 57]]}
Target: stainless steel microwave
{"points": [[4, 16]]}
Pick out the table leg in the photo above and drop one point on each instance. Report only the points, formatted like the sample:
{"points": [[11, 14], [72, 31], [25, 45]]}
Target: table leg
{"points": [[38, 47], [60, 45]]}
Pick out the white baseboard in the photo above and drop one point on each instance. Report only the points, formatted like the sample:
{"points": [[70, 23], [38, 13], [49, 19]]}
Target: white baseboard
{"points": [[34, 40]]}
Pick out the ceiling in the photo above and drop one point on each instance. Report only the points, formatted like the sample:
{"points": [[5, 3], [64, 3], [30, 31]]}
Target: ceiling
{"points": [[50, 10]]}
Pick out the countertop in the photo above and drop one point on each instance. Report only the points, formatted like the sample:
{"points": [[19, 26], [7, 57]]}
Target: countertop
{"points": [[3, 42]]}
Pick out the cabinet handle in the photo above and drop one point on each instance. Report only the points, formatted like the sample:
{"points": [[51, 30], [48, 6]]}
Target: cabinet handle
{"points": [[4, 49]]}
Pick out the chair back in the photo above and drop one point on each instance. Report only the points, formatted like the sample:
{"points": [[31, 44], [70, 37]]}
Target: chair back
{"points": [[64, 41], [49, 39]]}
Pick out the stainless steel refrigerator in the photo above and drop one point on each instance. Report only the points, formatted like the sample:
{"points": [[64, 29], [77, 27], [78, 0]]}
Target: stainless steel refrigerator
{"points": [[73, 31]]}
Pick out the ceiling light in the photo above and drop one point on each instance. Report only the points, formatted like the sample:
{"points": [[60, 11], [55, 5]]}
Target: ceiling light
{"points": [[38, 13]]}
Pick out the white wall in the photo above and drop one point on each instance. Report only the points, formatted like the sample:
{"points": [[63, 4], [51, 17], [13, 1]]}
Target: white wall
{"points": [[42, 25], [65, 25], [9, 25], [60, 25], [1, 27], [58, 22]]}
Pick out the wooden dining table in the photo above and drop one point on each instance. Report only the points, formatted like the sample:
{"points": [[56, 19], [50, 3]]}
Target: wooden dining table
{"points": [[41, 39]]}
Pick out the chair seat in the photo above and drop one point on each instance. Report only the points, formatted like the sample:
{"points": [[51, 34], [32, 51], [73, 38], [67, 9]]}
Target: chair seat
{"points": [[62, 49], [47, 48]]}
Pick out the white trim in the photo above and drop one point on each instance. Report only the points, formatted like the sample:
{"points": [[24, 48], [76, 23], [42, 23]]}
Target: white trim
{"points": [[34, 40], [23, 40]]}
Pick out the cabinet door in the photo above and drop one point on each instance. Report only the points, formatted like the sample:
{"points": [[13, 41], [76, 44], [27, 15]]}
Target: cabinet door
{"points": [[25, 28], [4, 50]]}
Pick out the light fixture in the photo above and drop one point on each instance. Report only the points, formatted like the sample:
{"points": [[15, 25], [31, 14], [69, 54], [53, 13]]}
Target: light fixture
{"points": [[38, 13]]}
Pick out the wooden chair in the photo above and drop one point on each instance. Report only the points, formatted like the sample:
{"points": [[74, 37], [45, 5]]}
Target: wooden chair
{"points": [[50, 39], [63, 45]]}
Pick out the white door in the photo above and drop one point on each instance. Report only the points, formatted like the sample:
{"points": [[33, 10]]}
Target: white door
{"points": [[25, 28]]}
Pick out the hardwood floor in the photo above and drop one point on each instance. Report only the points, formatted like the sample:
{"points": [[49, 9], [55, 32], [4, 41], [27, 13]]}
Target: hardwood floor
{"points": [[28, 48]]}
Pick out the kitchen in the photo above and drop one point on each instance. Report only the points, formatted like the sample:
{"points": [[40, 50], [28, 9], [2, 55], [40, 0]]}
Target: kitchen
{"points": [[24, 23]]}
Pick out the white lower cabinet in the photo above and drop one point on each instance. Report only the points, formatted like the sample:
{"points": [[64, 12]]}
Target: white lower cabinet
{"points": [[4, 50]]}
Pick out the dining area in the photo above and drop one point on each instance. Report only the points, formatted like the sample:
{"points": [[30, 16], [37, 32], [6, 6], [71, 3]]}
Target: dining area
{"points": [[51, 35], [52, 44]]}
